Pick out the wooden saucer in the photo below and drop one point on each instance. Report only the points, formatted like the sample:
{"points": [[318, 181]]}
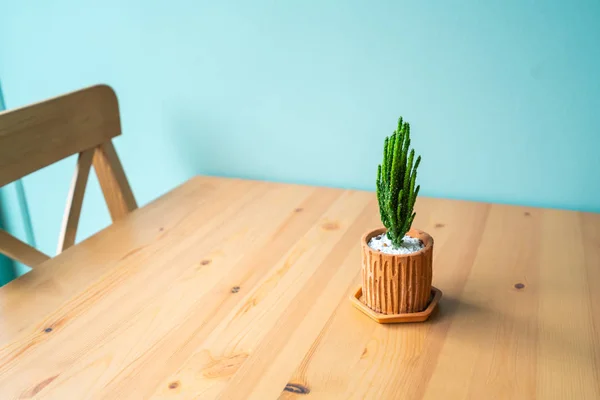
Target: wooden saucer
{"points": [[356, 300]]}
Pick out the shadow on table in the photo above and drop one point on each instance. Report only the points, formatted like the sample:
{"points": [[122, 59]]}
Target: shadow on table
{"points": [[449, 307], [518, 332]]}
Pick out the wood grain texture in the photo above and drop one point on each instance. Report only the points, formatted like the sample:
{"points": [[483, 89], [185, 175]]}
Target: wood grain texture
{"points": [[237, 289], [113, 182], [13, 248], [37, 135], [68, 231]]}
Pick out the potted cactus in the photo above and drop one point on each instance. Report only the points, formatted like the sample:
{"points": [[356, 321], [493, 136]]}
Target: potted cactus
{"points": [[397, 259]]}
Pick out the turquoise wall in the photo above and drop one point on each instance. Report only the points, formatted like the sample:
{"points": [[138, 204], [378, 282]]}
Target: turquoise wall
{"points": [[14, 219], [7, 271], [503, 96]]}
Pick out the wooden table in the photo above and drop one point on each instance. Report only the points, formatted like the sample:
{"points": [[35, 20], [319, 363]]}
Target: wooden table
{"points": [[229, 288]]}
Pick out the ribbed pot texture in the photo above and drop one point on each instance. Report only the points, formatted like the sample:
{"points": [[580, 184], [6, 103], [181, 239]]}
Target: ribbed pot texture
{"points": [[397, 284]]}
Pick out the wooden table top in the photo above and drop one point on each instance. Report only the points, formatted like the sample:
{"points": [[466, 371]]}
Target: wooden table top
{"points": [[237, 289]]}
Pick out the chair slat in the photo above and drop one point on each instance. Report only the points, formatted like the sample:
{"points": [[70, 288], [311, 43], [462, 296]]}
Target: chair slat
{"points": [[111, 176], [37, 135], [41, 134], [12, 247], [75, 200]]}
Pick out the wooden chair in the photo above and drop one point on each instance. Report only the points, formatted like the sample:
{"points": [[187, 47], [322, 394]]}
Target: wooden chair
{"points": [[35, 136]]}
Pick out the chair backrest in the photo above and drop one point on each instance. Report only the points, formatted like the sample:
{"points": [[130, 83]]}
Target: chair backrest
{"points": [[32, 137]]}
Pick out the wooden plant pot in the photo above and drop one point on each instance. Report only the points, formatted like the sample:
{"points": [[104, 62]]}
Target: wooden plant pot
{"points": [[397, 284]]}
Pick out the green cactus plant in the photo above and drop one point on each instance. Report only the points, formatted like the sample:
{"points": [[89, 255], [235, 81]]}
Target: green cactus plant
{"points": [[396, 178]]}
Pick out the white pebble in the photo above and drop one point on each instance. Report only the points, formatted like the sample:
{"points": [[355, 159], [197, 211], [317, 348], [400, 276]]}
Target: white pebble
{"points": [[383, 244]]}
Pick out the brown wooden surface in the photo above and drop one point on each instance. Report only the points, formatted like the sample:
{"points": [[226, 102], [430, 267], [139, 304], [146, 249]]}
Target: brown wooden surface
{"points": [[41, 134], [237, 289], [20, 251], [68, 231], [113, 182]]}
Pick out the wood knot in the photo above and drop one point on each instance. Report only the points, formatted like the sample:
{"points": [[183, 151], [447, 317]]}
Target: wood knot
{"points": [[48, 330], [331, 226], [519, 286], [205, 262], [38, 388], [174, 385], [440, 225], [235, 289], [299, 209], [161, 229], [527, 213], [296, 388]]}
